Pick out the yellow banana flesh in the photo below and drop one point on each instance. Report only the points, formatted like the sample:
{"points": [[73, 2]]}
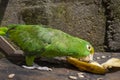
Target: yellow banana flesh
{"points": [[84, 66]]}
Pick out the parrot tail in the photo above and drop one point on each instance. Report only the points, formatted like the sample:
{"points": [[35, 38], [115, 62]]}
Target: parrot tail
{"points": [[3, 31]]}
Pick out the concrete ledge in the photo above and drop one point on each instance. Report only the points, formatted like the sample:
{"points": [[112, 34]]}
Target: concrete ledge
{"points": [[8, 48], [61, 70]]}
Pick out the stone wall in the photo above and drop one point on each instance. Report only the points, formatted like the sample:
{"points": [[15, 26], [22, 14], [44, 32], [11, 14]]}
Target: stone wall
{"points": [[10, 12], [87, 19], [78, 18], [112, 24]]}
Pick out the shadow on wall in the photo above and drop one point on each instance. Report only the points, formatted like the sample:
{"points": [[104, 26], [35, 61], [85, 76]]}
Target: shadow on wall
{"points": [[3, 5]]}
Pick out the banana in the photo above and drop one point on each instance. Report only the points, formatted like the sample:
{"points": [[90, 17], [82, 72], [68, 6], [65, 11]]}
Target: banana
{"points": [[84, 66]]}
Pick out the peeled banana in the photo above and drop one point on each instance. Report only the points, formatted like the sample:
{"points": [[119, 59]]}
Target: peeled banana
{"points": [[84, 66]]}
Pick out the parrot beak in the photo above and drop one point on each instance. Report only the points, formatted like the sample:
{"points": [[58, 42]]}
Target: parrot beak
{"points": [[89, 58]]}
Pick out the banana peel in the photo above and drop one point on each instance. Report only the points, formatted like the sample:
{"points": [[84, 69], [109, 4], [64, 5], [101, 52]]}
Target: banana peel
{"points": [[111, 63], [84, 66]]}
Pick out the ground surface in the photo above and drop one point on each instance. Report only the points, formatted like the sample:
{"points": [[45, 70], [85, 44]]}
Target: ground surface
{"points": [[61, 70]]}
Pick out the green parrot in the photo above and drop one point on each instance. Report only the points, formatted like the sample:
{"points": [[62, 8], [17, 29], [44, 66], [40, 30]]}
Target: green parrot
{"points": [[43, 41]]}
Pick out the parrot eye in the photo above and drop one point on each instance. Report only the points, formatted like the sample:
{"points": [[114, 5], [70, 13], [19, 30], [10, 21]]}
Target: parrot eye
{"points": [[89, 47]]}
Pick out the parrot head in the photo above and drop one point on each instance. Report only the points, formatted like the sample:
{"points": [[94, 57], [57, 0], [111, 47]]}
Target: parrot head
{"points": [[3, 31], [90, 51], [84, 50]]}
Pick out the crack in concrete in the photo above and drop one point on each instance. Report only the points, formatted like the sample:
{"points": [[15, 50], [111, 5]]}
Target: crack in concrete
{"points": [[109, 20]]}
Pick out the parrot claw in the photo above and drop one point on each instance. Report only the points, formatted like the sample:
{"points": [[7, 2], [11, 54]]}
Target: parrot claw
{"points": [[28, 67], [35, 66], [44, 68]]}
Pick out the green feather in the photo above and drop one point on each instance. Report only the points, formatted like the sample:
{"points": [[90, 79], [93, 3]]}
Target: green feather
{"points": [[4, 29], [2, 33]]}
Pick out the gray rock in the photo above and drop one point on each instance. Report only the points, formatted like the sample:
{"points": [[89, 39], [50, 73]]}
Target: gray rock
{"points": [[10, 12]]}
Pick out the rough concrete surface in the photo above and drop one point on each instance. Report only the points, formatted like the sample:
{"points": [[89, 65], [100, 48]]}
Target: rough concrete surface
{"points": [[61, 70], [113, 24], [97, 21], [78, 18], [9, 12]]}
